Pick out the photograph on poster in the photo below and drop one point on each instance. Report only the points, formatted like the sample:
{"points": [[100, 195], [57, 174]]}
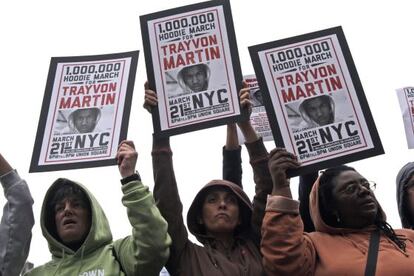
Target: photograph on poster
{"points": [[406, 99], [258, 116]]}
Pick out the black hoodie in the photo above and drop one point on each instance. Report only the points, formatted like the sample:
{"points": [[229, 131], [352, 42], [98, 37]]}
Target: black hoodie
{"points": [[402, 179]]}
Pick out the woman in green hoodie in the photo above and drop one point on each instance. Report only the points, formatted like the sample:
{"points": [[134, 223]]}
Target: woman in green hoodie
{"points": [[78, 233]]}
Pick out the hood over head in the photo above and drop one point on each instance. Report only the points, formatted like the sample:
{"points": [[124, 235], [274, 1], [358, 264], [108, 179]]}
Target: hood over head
{"points": [[180, 75], [99, 233], [304, 113], [71, 119], [320, 224], [402, 179], [245, 209]]}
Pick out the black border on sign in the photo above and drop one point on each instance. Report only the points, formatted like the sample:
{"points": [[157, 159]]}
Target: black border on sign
{"points": [[334, 161], [34, 167]]}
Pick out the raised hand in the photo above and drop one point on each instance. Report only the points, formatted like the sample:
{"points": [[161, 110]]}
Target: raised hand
{"points": [[150, 98], [127, 158], [281, 160]]}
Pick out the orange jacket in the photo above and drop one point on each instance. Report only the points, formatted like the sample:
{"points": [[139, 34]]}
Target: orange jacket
{"points": [[287, 250]]}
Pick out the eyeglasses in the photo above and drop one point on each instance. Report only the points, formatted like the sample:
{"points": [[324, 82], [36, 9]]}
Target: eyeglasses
{"points": [[369, 185]]}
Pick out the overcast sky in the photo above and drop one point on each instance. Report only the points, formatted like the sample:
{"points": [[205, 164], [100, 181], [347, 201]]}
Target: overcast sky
{"points": [[379, 36]]}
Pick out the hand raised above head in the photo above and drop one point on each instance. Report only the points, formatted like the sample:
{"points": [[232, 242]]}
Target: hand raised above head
{"points": [[281, 160], [4, 165], [127, 158], [245, 126], [150, 98], [244, 96]]}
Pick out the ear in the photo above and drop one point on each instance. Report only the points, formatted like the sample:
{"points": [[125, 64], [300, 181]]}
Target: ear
{"points": [[200, 220]]}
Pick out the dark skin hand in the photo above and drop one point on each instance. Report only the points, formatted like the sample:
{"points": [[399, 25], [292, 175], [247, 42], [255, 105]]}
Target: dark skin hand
{"points": [[280, 161]]}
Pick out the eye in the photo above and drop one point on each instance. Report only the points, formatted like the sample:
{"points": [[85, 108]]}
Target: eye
{"points": [[211, 199], [350, 188], [231, 199], [58, 208], [366, 184]]}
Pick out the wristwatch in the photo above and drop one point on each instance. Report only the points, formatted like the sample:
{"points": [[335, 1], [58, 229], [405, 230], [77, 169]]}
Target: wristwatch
{"points": [[132, 177]]}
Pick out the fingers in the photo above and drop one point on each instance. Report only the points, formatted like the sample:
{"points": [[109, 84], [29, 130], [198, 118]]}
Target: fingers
{"points": [[124, 148], [150, 98], [281, 152], [244, 93], [246, 103], [125, 143], [244, 96], [279, 158], [126, 158]]}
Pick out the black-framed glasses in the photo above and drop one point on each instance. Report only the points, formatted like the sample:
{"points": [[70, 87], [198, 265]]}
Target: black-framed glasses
{"points": [[369, 185]]}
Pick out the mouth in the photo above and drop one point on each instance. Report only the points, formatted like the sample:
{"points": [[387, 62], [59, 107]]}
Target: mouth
{"points": [[368, 202], [222, 215], [197, 88], [68, 222]]}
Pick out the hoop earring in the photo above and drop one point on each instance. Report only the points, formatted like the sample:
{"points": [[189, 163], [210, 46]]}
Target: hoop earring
{"points": [[338, 220]]}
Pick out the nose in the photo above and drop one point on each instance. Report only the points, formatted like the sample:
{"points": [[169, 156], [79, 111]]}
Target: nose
{"points": [[68, 208], [222, 203], [194, 79], [319, 112], [362, 190]]}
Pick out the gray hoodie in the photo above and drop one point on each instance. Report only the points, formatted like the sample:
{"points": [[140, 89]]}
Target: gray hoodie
{"points": [[16, 224]]}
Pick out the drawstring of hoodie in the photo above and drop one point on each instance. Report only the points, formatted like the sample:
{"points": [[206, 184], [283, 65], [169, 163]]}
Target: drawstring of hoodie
{"points": [[60, 262], [63, 259], [214, 261], [242, 252], [210, 255], [81, 259]]}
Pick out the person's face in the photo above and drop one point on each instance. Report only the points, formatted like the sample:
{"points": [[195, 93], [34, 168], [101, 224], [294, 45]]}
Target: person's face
{"points": [[410, 198], [85, 120], [72, 220], [355, 203], [319, 110], [196, 78], [220, 212]]}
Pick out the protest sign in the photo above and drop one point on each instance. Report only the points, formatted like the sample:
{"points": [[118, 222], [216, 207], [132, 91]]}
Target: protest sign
{"points": [[85, 111], [314, 99], [258, 117], [406, 99], [193, 65]]}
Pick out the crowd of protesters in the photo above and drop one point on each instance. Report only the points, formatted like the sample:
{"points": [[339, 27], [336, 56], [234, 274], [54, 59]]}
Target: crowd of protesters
{"points": [[337, 227]]}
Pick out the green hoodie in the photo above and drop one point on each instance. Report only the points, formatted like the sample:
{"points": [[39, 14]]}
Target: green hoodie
{"points": [[142, 253]]}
